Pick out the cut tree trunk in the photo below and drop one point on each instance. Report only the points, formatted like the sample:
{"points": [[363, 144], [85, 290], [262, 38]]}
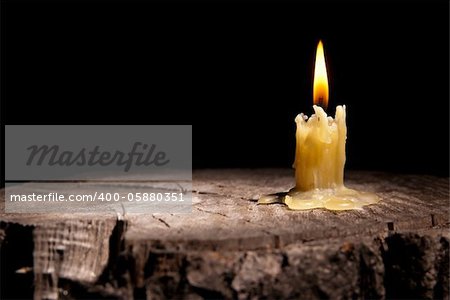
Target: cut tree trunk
{"points": [[230, 247]]}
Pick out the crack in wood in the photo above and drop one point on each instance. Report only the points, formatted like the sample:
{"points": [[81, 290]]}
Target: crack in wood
{"points": [[211, 212], [206, 193], [223, 195], [390, 226], [161, 220]]}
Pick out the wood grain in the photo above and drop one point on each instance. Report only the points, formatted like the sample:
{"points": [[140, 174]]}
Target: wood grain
{"points": [[230, 247]]}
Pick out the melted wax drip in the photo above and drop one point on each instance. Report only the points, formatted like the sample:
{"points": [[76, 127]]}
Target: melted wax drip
{"points": [[340, 198]]}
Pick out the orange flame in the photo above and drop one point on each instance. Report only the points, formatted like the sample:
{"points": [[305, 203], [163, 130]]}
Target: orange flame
{"points": [[320, 86]]}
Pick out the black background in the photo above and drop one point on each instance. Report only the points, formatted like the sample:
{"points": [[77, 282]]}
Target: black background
{"points": [[239, 72]]}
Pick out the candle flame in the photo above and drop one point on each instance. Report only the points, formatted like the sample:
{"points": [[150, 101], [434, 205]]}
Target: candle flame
{"points": [[320, 86]]}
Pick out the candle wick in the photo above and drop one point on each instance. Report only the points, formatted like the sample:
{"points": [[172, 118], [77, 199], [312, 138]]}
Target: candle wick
{"points": [[321, 102]]}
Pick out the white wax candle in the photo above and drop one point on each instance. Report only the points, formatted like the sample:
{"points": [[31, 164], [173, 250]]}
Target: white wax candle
{"points": [[320, 151], [320, 156], [319, 165]]}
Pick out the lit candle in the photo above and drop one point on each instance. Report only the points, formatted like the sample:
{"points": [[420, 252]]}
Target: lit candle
{"points": [[320, 156]]}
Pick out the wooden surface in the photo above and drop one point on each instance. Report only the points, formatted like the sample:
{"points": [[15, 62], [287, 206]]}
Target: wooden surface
{"points": [[230, 247]]}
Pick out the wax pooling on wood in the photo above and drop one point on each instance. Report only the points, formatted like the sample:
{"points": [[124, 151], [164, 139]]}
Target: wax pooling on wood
{"points": [[319, 166]]}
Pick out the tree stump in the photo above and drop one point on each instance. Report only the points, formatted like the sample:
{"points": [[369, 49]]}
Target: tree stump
{"points": [[230, 247]]}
